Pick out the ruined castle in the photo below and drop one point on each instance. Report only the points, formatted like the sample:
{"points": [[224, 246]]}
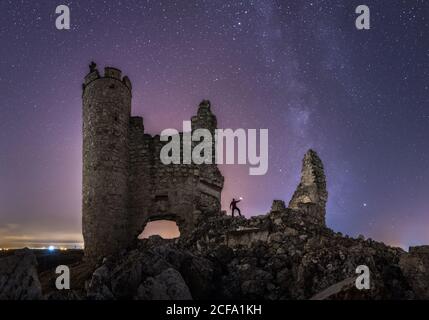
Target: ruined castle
{"points": [[288, 253], [125, 185]]}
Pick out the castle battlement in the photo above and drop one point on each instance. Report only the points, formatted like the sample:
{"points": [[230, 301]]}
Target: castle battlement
{"points": [[109, 72]]}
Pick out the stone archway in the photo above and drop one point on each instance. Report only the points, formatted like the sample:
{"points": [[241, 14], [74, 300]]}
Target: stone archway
{"points": [[168, 226]]}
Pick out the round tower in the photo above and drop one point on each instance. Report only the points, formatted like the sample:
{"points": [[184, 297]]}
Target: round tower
{"points": [[106, 117]]}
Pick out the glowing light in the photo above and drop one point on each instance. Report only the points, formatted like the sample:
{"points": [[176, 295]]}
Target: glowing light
{"points": [[51, 248], [241, 198]]}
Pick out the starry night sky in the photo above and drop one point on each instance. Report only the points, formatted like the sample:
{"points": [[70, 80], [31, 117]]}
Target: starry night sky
{"points": [[299, 68]]}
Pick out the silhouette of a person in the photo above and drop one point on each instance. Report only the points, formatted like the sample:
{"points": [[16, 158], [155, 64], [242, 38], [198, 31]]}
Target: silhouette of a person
{"points": [[233, 206]]}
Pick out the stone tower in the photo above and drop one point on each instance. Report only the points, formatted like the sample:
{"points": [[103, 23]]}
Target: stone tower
{"points": [[106, 114], [311, 194]]}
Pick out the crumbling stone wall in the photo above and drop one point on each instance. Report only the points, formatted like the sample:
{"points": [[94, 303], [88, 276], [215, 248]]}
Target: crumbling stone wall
{"points": [[178, 192], [125, 184]]}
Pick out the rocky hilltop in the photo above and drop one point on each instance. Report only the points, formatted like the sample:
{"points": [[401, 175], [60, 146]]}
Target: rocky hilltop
{"points": [[289, 253], [278, 256]]}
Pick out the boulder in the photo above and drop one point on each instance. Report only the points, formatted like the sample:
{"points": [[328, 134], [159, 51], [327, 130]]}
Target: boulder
{"points": [[168, 285], [18, 277]]}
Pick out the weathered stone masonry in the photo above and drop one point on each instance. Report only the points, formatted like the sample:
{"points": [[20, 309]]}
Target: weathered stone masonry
{"points": [[125, 185], [311, 195]]}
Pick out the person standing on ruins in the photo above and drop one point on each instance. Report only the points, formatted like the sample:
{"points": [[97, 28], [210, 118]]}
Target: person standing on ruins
{"points": [[233, 206]]}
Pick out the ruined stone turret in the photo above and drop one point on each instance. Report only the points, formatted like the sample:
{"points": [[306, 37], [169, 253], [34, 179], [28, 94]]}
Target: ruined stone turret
{"points": [[204, 118], [106, 117], [311, 194]]}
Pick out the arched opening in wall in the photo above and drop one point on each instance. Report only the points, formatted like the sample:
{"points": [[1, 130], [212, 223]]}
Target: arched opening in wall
{"points": [[167, 229]]}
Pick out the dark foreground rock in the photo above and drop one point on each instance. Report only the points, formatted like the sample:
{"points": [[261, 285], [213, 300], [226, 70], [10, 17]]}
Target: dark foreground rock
{"points": [[281, 255], [18, 277]]}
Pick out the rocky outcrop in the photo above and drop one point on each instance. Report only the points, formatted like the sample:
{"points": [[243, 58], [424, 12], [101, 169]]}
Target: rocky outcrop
{"points": [[295, 259], [336, 289], [157, 269], [415, 267], [18, 277], [168, 285], [288, 253]]}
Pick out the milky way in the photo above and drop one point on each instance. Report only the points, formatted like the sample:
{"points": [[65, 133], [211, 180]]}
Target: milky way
{"points": [[299, 68]]}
